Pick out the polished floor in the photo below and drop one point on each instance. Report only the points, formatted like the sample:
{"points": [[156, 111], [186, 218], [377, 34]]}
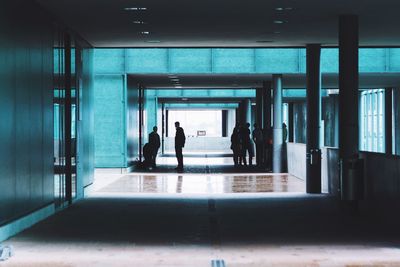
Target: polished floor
{"points": [[194, 220], [107, 184]]}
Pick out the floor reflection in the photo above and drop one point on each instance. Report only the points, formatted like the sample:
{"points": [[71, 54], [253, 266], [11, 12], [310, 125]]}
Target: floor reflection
{"points": [[205, 184]]}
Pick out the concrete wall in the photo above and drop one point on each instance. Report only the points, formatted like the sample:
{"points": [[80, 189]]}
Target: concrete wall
{"points": [[296, 159], [110, 124], [26, 108], [201, 144], [382, 175]]}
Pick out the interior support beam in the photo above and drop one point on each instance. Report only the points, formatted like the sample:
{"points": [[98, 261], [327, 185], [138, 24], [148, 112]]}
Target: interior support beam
{"points": [[277, 130], [348, 102], [259, 107], [313, 163], [267, 123], [388, 121], [291, 122]]}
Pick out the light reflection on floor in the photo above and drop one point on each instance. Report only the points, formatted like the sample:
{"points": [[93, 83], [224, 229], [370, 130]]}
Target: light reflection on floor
{"points": [[196, 161], [202, 184]]}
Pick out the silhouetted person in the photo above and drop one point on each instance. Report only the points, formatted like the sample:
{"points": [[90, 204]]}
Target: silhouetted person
{"points": [[154, 142], [179, 144], [235, 145], [247, 146], [258, 141], [284, 133]]}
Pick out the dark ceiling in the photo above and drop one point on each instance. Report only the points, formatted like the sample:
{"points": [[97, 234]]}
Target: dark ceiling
{"points": [[225, 23], [241, 81]]}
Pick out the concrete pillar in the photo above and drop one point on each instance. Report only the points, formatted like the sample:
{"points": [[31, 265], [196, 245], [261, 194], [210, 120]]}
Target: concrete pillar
{"points": [[396, 106], [259, 107], [245, 111], [348, 102], [313, 163], [277, 130], [267, 123], [388, 121]]}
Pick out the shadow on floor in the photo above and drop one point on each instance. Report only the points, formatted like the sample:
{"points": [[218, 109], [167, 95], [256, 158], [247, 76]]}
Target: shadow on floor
{"points": [[267, 220]]}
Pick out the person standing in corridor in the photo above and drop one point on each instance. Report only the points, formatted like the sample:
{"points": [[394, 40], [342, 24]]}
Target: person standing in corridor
{"points": [[154, 142], [179, 144]]}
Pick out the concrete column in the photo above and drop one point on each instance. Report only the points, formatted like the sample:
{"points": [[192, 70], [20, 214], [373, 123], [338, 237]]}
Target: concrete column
{"points": [[348, 103], [313, 163], [388, 121], [277, 130], [68, 118], [259, 107], [267, 105], [245, 111], [396, 105]]}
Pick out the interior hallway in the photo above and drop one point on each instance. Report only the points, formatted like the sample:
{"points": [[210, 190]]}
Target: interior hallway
{"points": [[130, 220]]}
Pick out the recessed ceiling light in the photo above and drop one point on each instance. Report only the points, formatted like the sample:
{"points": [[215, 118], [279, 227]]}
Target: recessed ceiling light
{"points": [[178, 86], [283, 8], [184, 99], [174, 79], [279, 21], [153, 41], [276, 32], [139, 22], [135, 8], [172, 76], [145, 32]]}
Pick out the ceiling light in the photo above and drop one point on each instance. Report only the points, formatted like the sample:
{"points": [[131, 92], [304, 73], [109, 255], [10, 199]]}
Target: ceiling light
{"points": [[174, 79], [283, 8], [279, 21], [184, 99], [153, 41], [139, 22], [135, 8], [145, 32], [178, 86], [172, 76], [276, 32]]}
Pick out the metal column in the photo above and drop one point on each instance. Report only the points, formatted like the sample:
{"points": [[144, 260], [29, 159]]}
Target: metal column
{"points": [[313, 163], [348, 108], [259, 107], [267, 105], [277, 130]]}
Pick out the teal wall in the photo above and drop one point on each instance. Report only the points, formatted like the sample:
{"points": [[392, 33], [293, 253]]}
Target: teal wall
{"points": [[26, 108], [240, 60], [109, 120]]}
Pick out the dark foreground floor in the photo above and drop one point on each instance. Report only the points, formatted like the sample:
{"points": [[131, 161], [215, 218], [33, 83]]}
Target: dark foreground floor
{"points": [[261, 230]]}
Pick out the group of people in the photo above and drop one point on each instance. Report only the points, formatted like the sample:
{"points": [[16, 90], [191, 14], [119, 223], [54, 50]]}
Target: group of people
{"points": [[150, 149], [242, 140]]}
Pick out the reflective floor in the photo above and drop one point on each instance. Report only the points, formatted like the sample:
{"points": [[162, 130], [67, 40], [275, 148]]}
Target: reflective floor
{"points": [[198, 184]]}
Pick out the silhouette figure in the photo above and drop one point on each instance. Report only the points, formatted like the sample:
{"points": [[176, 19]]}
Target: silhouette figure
{"points": [[236, 145], [179, 144], [258, 141], [247, 146], [154, 142]]}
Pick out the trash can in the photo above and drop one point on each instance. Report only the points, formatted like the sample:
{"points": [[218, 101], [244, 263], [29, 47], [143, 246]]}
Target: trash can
{"points": [[352, 179]]}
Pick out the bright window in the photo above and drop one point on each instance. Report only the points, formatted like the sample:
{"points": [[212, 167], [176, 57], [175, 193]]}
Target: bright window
{"points": [[373, 120]]}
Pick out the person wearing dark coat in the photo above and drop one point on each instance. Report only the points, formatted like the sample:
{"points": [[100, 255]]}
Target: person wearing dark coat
{"points": [[247, 146], [236, 145], [179, 144], [259, 142], [154, 142]]}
